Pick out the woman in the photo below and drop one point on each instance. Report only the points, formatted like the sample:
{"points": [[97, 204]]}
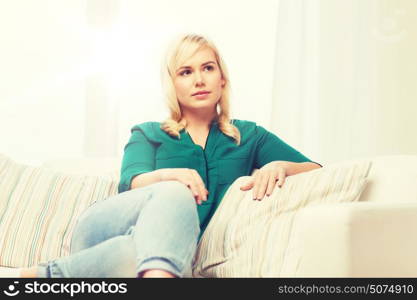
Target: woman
{"points": [[174, 175]]}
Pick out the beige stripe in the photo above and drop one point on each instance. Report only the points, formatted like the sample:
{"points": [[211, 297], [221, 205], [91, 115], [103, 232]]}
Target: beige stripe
{"points": [[39, 209]]}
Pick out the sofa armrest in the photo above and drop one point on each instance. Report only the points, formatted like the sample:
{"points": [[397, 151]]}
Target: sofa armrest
{"points": [[354, 240]]}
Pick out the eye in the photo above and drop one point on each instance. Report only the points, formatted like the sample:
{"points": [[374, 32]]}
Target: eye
{"points": [[209, 68], [185, 73]]}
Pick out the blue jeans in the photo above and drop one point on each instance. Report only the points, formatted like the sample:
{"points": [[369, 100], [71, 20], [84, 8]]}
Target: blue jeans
{"points": [[154, 227]]}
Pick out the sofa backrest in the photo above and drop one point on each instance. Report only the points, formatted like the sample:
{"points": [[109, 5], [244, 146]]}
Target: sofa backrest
{"points": [[39, 208], [392, 179], [108, 167]]}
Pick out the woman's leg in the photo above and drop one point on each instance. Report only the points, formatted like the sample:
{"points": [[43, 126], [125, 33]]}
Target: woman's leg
{"points": [[155, 227]]}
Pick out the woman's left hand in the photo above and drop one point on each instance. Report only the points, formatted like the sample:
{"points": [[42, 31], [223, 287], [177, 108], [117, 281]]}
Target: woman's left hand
{"points": [[264, 180]]}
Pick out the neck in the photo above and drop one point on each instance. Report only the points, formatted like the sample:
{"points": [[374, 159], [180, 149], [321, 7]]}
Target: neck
{"points": [[199, 121]]}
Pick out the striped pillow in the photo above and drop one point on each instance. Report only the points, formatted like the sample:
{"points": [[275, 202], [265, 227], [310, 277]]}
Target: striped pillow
{"points": [[247, 238], [39, 209]]}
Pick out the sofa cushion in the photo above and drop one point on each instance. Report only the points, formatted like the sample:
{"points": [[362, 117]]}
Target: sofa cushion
{"points": [[247, 238], [39, 208]]}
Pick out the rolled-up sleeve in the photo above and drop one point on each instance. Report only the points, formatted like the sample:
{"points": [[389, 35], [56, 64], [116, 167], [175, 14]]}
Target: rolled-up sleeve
{"points": [[138, 158], [271, 148]]}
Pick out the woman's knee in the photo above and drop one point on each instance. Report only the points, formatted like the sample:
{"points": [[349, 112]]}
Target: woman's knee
{"points": [[176, 193], [86, 232], [107, 218], [174, 185]]}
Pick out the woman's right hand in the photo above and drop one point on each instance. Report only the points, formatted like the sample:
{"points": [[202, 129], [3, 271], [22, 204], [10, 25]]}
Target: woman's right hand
{"points": [[190, 178]]}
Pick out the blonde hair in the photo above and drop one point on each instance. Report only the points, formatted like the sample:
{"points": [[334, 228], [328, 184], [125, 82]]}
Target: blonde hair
{"points": [[182, 49]]}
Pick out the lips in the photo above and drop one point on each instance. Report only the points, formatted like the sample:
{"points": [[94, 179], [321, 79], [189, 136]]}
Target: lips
{"points": [[201, 93]]}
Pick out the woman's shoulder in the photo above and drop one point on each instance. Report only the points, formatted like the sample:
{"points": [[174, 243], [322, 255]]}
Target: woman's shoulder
{"points": [[151, 130], [146, 127], [248, 129], [243, 124]]}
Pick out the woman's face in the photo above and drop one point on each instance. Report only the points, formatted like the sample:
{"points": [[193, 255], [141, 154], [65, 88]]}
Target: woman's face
{"points": [[198, 82]]}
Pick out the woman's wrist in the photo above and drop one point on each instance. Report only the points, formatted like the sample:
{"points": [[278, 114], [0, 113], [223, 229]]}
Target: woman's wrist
{"points": [[165, 174], [279, 164], [293, 168], [282, 164]]}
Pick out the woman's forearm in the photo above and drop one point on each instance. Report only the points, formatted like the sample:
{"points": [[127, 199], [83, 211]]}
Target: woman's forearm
{"points": [[145, 179], [293, 168]]}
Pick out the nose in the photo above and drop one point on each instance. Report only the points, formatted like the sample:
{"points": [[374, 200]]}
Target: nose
{"points": [[199, 80]]}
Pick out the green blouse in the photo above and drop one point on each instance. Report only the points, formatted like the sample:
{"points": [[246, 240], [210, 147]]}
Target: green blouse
{"points": [[219, 164]]}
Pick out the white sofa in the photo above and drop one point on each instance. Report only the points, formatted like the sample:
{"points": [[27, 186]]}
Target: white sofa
{"points": [[372, 236], [375, 237]]}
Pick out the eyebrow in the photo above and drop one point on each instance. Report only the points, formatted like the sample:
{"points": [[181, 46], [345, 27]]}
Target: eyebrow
{"points": [[186, 67]]}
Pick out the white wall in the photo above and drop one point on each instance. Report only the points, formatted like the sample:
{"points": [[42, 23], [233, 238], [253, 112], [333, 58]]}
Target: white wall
{"points": [[42, 46]]}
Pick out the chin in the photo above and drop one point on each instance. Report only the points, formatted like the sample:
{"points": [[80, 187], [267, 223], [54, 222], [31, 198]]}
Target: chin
{"points": [[199, 104], [207, 106]]}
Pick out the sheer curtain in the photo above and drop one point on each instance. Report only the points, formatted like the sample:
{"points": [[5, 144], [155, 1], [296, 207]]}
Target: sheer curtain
{"points": [[295, 105], [344, 78]]}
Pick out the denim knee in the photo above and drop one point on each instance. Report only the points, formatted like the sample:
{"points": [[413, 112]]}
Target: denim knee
{"points": [[178, 195], [176, 190], [171, 247], [86, 231], [82, 235]]}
